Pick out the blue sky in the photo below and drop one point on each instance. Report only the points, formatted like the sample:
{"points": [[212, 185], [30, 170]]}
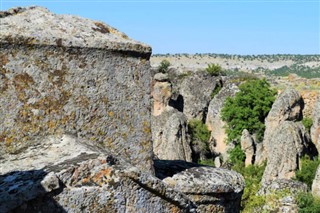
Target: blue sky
{"points": [[211, 26]]}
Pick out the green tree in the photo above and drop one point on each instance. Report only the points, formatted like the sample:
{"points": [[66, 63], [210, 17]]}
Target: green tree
{"points": [[164, 66], [214, 69], [307, 123], [248, 109], [307, 171]]}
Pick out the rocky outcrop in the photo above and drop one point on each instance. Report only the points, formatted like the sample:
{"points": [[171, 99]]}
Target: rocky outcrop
{"points": [[315, 129], [65, 174], [248, 147], [214, 121], [65, 74], [161, 93], [290, 143], [170, 136], [316, 184], [203, 184], [196, 90], [281, 195]]}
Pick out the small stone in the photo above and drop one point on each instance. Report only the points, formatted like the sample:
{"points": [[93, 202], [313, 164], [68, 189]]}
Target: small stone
{"points": [[50, 182]]}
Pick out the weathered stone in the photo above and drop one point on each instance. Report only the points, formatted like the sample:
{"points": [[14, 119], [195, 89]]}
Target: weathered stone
{"points": [[196, 90], [287, 107], [247, 145], [66, 74], [161, 77], [170, 136], [205, 185], [214, 121], [315, 129], [161, 94], [217, 162], [316, 183], [280, 195], [289, 143], [89, 180]]}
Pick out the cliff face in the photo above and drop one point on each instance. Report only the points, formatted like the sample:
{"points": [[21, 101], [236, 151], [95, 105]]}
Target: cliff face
{"points": [[63, 74]]}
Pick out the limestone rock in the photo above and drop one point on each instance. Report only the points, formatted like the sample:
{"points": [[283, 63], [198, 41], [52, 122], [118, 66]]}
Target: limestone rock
{"points": [[161, 77], [161, 93], [316, 184], [203, 184], [196, 90], [62, 74], [247, 145], [285, 203], [170, 136], [214, 121], [87, 179], [315, 129], [289, 143]]}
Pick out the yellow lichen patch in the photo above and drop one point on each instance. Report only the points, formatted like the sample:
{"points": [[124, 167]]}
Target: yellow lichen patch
{"points": [[146, 127], [111, 113], [57, 77], [22, 81], [9, 140], [103, 176], [101, 28], [4, 85], [3, 60]]}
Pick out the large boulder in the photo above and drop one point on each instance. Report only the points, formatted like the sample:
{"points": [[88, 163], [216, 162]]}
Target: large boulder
{"points": [[315, 129], [211, 189], [196, 90], [170, 136], [161, 93], [67, 174], [65, 74], [214, 121], [289, 143]]}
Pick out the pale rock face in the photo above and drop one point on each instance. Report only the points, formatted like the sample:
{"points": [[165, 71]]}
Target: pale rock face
{"points": [[289, 143], [287, 107], [170, 136], [247, 145], [201, 184], [316, 184], [214, 121], [161, 93], [196, 90], [315, 129], [63, 74]]}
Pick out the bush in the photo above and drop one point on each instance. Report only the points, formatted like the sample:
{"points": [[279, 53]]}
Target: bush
{"points": [[164, 66], [200, 134], [307, 171], [214, 69], [236, 155], [248, 109], [216, 91], [307, 203], [307, 123]]}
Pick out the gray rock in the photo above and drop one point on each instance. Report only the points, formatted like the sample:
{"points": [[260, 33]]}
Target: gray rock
{"points": [[315, 129], [202, 184], [170, 136], [316, 184], [214, 121], [63, 74], [247, 145], [282, 194], [217, 162], [161, 77], [196, 90], [289, 143]]}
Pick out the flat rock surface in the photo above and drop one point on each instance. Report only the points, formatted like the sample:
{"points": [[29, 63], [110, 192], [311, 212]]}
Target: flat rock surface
{"points": [[37, 25]]}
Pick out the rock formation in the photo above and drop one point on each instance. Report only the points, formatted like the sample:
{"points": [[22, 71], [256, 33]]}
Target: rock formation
{"points": [[316, 184], [65, 74], [315, 129], [285, 140], [281, 195], [248, 147], [196, 90], [169, 126], [214, 121]]}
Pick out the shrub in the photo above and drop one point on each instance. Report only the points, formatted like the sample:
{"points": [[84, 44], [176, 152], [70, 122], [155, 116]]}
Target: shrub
{"points": [[164, 66], [307, 203], [216, 91], [207, 162], [248, 109], [307, 123], [199, 134], [214, 69], [236, 155], [307, 171]]}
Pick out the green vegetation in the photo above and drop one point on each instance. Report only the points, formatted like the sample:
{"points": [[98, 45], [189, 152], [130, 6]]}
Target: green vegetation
{"points": [[308, 170], [199, 134], [300, 70], [207, 162], [248, 109], [164, 66], [252, 175], [236, 155], [307, 203], [216, 91], [214, 70], [307, 123]]}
